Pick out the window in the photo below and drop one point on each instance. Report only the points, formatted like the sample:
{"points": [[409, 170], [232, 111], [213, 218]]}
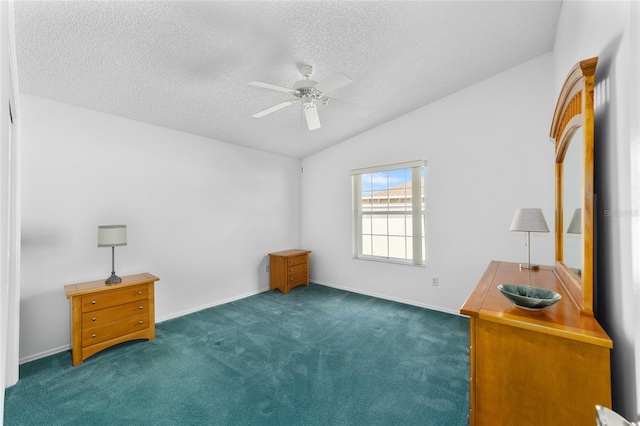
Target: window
{"points": [[388, 225]]}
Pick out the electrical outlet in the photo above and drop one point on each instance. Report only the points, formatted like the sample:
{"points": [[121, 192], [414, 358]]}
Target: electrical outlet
{"points": [[266, 268], [434, 281]]}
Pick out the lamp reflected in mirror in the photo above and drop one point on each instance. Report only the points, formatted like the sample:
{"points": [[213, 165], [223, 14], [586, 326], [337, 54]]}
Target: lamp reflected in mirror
{"points": [[575, 229], [575, 226]]}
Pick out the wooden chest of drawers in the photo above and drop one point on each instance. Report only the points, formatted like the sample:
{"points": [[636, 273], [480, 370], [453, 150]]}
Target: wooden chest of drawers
{"points": [[548, 367], [105, 315], [289, 269]]}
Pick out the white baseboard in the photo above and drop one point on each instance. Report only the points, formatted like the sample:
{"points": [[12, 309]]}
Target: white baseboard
{"points": [[45, 354], [210, 305], [387, 297]]}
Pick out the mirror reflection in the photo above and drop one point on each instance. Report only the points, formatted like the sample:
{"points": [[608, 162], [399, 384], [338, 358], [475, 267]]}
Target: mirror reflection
{"points": [[572, 204]]}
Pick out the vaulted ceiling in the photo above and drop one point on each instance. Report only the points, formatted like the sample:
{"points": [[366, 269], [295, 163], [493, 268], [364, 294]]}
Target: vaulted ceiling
{"points": [[185, 65]]}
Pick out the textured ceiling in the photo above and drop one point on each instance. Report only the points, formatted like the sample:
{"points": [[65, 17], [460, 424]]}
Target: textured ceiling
{"points": [[185, 65]]}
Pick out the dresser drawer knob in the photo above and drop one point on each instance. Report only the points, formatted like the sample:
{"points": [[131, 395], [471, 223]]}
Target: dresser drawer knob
{"points": [[140, 292], [93, 302], [93, 336], [139, 322], [93, 319], [139, 307]]}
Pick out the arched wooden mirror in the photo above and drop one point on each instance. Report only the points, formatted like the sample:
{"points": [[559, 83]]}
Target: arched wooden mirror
{"points": [[572, 130]]}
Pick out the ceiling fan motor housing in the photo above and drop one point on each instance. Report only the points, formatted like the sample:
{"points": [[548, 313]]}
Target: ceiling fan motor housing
{"points": [[306, 90]]}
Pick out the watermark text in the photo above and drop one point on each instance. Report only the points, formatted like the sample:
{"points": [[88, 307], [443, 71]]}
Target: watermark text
{"points": [[621, 213]]}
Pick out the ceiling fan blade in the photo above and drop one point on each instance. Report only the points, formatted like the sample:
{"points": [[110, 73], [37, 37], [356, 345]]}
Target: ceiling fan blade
{"points": [[347, 107], [274, 108], [272, 87], [311, 114], [333, 82]]}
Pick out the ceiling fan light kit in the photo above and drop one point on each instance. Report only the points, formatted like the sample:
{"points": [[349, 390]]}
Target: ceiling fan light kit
{"points": [[306, 71], [309, 91]]}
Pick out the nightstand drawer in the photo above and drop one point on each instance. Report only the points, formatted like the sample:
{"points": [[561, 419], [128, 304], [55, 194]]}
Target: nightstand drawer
{"points": [[297, 269], [112, 330], [297, 279], [297, 260], [108, 299], [105, 316]]}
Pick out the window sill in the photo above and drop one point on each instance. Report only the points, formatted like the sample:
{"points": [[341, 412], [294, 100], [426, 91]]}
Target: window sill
{"points": [[388, 260]]}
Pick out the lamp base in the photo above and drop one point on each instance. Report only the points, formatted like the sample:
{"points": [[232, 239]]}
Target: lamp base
{"points": [[529, 266], [113, 279]]}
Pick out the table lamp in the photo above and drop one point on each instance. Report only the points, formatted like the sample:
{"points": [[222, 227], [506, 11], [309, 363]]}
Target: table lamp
{"points": [[112, 236], [529, 220]]}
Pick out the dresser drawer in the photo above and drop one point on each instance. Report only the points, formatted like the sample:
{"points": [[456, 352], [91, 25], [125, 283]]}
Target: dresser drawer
{"points": [[297, 260], [297, 269], [108, 315], [108, 299], [115, 329]]}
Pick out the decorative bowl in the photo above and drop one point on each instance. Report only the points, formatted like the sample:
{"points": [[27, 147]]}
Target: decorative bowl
{"points": [[528, 297]]}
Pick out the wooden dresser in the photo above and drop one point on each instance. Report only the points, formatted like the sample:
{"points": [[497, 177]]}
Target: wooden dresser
{"points": [[289, 269], [105, 315], [547, 367]]}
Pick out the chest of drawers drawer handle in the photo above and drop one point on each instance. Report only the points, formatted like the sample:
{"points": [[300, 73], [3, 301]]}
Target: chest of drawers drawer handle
{"points": [[140, 307], [93, 319], [93, 302], [93, 336], [140, 292], [139, 322]]}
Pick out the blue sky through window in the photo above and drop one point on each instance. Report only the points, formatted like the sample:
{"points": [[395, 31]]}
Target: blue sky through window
{"points": [[372, 182]]}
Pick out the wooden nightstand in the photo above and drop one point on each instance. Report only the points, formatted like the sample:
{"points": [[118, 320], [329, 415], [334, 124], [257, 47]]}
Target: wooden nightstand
{"points": [[289, 269], [105, 315]]}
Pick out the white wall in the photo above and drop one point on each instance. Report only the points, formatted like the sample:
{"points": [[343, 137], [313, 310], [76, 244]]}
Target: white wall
{"points": [[488, 153], [603, 29], [201, 214]]}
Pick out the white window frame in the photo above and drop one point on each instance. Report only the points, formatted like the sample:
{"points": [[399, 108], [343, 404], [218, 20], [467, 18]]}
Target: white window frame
{"points": [[418, 213]]}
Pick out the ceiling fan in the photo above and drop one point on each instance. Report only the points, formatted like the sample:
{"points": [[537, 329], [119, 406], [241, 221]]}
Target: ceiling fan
{"points": [[309, 92]]}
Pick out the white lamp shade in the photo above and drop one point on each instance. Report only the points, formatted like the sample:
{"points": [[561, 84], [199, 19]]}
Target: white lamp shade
{"points": [[112, 235], [575, 226], [529, 220]]}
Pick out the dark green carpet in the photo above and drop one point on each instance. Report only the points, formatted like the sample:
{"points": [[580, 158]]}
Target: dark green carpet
{"points": [[316, 356]]}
